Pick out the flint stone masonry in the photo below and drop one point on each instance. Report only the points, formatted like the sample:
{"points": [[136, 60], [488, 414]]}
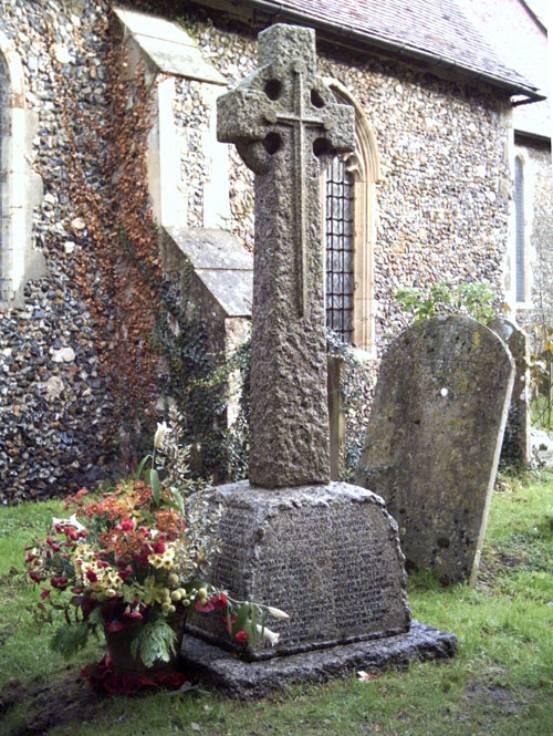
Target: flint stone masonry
{"points": [[50, 447], [442, 213], [282, 119], [327, 555], [516, 448], [443, 202], [434, 437]]}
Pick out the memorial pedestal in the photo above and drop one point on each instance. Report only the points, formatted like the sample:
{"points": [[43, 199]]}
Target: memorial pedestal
{"points": [[327, 555]]}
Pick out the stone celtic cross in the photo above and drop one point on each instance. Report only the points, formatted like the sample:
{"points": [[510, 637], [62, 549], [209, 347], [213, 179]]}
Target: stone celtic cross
{"points": [[286, 123]]}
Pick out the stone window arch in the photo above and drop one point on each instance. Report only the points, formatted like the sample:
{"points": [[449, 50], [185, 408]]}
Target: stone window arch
{"points": [[20, 186], [359, 173]]}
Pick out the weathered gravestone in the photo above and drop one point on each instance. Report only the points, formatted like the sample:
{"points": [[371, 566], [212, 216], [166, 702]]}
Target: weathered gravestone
{"points": [[517, 449], [327, 553], [434, 438]]}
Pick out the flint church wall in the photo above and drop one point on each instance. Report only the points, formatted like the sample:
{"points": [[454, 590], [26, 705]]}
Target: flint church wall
{"points": [[55, 407], [443, 202], [442, 216]]}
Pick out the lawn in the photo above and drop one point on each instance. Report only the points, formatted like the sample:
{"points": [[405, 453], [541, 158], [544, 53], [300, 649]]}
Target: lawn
{"points": [[500, 684]]}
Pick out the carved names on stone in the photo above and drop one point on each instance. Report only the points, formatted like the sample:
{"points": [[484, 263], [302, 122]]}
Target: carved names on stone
{"points": [[327, 556]]}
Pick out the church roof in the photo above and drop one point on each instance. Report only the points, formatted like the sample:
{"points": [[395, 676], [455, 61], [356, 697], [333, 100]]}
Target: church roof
{"points": [[519, 38], [436, 31]]}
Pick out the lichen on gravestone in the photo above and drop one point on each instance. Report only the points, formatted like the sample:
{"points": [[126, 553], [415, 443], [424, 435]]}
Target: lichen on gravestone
{"points": [[434, 437]]}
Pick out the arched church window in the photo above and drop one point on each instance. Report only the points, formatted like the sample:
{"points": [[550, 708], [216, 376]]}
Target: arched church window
{"points": [[339, 249], [4, 133], [350, 233], [520, 245]]}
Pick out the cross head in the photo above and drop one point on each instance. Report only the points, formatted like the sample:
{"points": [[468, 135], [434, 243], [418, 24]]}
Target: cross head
{"points": [[286, 91]]}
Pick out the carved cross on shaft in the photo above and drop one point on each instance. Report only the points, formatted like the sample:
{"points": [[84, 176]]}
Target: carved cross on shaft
{"points": [[299, 120], [286, 92]]}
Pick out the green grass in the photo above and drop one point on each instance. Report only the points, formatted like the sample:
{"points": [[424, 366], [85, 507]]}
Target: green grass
{"points": [[541, 410], [500, 684]]}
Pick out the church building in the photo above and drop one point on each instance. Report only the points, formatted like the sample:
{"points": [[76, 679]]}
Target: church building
{"points": [[127, 228]]}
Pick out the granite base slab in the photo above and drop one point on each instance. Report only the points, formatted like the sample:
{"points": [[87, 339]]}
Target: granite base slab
{"points": [[250, 680], [328, 555]]}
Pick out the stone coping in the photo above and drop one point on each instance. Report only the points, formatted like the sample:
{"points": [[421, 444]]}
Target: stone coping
{"points": [[236, 678]]}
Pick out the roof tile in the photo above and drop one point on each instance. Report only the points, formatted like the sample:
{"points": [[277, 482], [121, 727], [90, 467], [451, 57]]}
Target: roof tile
{"points": [[435, 28]]}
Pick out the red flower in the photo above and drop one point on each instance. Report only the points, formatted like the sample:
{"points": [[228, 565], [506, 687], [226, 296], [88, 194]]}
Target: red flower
{"points": [[127, 525], [241, 636], [44, 593], [115, 626], [59, 582], [71, 533], [159, 548], [35, 576], [219, 601], [91, 576], [203, 607], [126, 573], [103, 679], [134, 615]]}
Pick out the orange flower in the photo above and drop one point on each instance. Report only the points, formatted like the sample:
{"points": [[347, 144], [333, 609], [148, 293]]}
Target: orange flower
{"points": [[170, 523]]}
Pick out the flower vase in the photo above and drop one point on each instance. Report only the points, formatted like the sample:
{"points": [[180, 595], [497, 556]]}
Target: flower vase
{"points": [[121, 673]]}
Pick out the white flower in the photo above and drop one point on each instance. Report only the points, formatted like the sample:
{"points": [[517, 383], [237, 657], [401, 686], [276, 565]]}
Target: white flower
{"points": [[72, 521], [271, 636], [278, 613], [159, 436]]}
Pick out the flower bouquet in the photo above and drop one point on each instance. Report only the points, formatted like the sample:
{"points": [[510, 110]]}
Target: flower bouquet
{"points": [[131, 564]]}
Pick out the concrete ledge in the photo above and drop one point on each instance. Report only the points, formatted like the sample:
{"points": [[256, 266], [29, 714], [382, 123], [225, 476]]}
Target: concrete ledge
{"points": [[250, 680]]}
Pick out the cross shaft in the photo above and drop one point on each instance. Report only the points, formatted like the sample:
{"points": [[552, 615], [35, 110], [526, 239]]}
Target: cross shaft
{"points": [[299, 122]]}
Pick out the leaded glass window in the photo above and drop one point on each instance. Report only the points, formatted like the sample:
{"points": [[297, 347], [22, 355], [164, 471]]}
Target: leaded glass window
{"points": [[520, 260], [339, 250], [4, 132]]}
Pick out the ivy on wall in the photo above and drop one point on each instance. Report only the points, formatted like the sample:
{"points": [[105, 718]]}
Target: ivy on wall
{"points": [[152, 342]]}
